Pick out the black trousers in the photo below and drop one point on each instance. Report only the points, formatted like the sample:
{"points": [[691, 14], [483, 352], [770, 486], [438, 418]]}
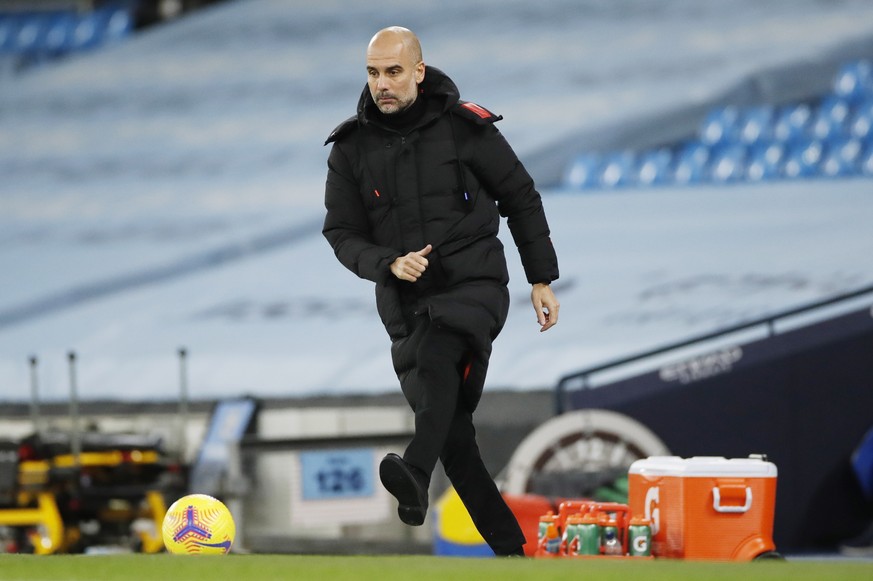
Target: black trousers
{"points": [[430, 363]]}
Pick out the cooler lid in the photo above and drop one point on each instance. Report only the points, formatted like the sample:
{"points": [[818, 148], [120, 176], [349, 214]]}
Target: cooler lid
{"points": [[704, 466]]}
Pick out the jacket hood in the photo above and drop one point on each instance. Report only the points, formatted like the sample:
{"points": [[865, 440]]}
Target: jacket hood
{"points": [[435, 86]]}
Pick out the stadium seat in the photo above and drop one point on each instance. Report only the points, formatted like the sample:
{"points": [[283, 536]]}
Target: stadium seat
{"points": [[861, 122], [756, 124], [29, 33], [728, 163], [865, 164], [8, 28], [854, 81], [691, 160], [87, 32], [618, 169], [835, 108], [765, 161], [824, 128], [118, 23], [720, 126], [584, 171], [46, 33], [59, 33], [654, 167], [802, 159], [791, 122], [841, 157], [832, 136], [830, 119]]}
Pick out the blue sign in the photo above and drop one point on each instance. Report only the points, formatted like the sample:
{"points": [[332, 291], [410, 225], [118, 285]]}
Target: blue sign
{"points": [[337, 474], [229, 422]]}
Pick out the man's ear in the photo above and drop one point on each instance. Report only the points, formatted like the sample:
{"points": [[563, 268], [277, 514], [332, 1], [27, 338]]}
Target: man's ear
{"points": [[419, 72]]}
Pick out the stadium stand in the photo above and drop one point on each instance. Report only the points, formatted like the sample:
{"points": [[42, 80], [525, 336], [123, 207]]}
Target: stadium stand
{"points": [[32, 36], [823, 138], [34, 33]]}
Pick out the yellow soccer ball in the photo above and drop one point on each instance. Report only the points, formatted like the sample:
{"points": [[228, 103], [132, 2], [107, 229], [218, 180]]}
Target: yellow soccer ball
{"points": [[198, 524]]}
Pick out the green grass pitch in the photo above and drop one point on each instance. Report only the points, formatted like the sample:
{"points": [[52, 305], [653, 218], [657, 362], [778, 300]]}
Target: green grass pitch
{"points": [[166, 567]]}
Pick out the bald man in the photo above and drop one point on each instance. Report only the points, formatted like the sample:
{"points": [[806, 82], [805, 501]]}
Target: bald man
{"points": [[417, 181]]}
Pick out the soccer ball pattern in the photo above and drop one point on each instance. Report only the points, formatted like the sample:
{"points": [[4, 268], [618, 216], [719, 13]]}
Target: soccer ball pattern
{"points": [[198, 524]]}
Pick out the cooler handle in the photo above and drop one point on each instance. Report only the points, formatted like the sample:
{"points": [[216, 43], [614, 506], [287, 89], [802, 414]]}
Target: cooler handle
{"points": [[716, 502]]}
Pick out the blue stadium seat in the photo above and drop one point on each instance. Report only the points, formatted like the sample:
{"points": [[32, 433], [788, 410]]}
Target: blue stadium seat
{"points": [[832, 137], [841, 157], [756, 124], [865, 163], [720, 126], [830, 119], [88, 31], [802, 159], [8, 28], [792, 122], [824, 128], [861, 123], [691, 162], [654, 167], [854, 81], [60, 33], [118, 23], [765, 160], [40, 35], [28, 36], [618, 169], [728, 163], [584, 172], [835, 108]]}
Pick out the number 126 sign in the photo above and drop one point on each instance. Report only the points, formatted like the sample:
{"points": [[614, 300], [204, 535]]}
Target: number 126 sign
{"points": [[337, 474]]}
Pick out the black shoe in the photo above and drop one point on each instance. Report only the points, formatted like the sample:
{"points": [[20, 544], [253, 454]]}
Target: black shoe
{"points": [[400, 480], [860, 546]]}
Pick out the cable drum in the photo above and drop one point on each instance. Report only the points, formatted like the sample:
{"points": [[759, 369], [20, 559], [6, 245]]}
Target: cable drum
{"points": [[578, 453]]}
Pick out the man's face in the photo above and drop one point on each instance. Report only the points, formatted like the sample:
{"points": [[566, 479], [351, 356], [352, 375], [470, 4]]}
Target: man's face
{"points": [[392, 75]]}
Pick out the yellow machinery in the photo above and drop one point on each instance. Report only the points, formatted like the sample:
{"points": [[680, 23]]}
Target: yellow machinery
{"points": [[69, 491], [109, 493]]}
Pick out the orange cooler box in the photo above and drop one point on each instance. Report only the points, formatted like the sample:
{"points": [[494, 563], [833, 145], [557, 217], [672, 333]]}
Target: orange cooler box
{"points": [[706, 507]]}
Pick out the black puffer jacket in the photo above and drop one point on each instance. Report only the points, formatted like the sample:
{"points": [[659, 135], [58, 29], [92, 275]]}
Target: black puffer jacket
{"points": [[444, 183]]}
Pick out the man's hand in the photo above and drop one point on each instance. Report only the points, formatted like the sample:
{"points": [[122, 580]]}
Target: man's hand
{"points": [[546, 306], [412, 266]]}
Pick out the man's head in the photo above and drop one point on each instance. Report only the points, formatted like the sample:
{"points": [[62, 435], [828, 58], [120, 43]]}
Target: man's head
{"points": [[394, 69]]}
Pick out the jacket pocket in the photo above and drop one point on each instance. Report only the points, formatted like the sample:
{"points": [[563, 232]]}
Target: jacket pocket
{"points": [[388, 307]]}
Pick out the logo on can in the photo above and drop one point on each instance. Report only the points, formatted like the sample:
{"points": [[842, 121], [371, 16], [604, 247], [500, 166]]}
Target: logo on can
{"points": [[640, 538]]}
